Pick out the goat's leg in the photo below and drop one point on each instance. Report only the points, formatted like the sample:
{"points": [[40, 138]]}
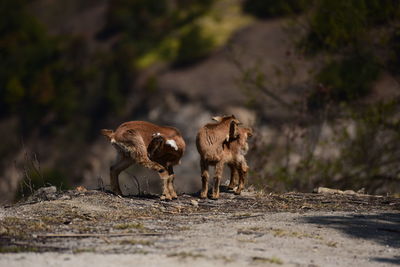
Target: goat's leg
{"points": [[234, 177], [217, 179], [164, 176], [146, 162], [243, 169], [121, 164], [204, 178], [141, 157], [171, 183], [165, 195]]}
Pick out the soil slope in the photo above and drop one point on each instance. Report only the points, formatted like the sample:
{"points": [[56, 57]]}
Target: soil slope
{"points": [[292, 229]]}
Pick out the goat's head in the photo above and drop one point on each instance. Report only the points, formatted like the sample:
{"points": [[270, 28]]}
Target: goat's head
{"points": [[155, 145], [233, 126], [247, 131]]}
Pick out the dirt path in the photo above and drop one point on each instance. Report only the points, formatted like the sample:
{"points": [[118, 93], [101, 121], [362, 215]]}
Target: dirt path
{"points": [[293, 229]]}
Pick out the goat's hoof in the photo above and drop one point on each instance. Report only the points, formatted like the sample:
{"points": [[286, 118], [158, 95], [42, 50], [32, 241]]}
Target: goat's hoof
{"points": [[117, 192], [231, 188], [237, 193], [215, 197], [165, 197], [174, 196], [203, 196]]}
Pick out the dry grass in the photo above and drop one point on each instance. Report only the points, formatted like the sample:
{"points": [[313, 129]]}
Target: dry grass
{"points": [[273, 260], [138, 226]]}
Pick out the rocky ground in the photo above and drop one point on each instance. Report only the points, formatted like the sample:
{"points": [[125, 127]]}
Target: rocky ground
{"points": [[82, 227]]}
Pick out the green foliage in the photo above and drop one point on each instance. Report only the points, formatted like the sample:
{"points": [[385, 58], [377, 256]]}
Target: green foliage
{"points": [[116, 76], [337, 24], [275, 8], [193, 46], [147, 23], [366, 152], [48, 80], [38, 74], [394, 48], [382, 11], [347, 144], [346, 80], [35, 179], [347, 28], [26, 55], [370, 152]]}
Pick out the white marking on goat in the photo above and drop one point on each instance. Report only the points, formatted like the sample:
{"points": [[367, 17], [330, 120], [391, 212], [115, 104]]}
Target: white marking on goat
{"points": [[172, 144], [156, 134]]}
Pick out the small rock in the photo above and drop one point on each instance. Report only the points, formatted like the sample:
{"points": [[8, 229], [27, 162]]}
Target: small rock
{"points": [[349, 192], [325, 190], [361, 191], [3, 231], [45, 193], [80, 189], [194, 202], [47, 190], [65, 197]]}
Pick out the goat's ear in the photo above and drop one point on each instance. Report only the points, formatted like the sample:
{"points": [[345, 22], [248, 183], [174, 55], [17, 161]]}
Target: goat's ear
{"points": [[217, 118], [249, 132], [233, 118], [154, 146], [233, 130], [107, 133]]}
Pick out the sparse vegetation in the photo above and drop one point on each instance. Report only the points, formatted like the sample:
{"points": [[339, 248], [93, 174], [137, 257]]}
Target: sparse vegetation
{"points": [[84, 250], [185, 255], [270, 8], [123, 226], [135, 242], [47, 226], [17, 249], [332, 244], [20, 227], [284, 233], [272, 260]]}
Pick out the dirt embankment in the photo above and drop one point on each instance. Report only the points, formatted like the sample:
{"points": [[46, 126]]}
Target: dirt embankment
{"points": [[292, 229]]}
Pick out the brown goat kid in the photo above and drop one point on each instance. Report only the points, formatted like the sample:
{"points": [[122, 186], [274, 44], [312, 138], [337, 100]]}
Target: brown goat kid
{"points": [[239, 146], [155, 147], [220, 143]]}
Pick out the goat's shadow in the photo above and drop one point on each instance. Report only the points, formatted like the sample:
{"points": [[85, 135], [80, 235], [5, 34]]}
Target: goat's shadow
{"points": [[382, 228], [143, 196]]}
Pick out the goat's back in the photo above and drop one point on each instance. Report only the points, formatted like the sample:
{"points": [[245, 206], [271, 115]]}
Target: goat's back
{"points": [[209, 141], [146, 130]]}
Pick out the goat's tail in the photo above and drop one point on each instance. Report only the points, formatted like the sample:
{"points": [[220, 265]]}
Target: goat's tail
{"points": [[107, 133]]}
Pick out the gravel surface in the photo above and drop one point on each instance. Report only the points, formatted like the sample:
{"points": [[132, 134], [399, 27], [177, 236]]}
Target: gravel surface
{"points": [[294, 229]]}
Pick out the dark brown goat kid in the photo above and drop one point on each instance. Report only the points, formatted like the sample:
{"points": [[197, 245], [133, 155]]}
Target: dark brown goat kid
{"points": [[155, 147]]}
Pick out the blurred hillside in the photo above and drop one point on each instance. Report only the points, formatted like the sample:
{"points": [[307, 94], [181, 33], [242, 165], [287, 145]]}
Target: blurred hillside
{"points": [[317, 79]]}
